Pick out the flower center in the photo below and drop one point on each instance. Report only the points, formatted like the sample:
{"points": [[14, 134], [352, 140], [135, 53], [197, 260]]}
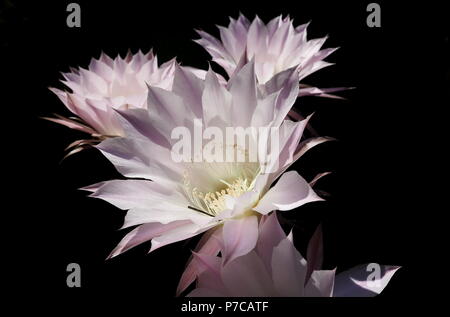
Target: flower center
{"points": [[215, 202]]}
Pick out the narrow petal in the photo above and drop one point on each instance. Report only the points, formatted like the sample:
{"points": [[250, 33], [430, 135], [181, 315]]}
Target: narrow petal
{"points": [[314, 252], [142, 234]]}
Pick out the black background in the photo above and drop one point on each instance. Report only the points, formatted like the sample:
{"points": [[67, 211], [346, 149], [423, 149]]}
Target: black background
{"points": [[378, 206]]}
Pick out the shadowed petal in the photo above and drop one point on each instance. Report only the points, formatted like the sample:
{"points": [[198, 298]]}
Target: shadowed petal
{"points": [[208, 245], [361, 281], [288, 269], [239, 237]]}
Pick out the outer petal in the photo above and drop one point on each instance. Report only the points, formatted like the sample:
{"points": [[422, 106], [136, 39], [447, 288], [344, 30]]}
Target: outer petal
{"points": [[217, 101], [360, 281], [239, 237], [178, 234], [134, 193], [270, 235], [291, 191], [208, 245], [142, 234], [320, 284], [143, 159], [209, 272], [314, 253], [137, 124], [190, 87], [288, 269], [243, 89], [247, 276]]}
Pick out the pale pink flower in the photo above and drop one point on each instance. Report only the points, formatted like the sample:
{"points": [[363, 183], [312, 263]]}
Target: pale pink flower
{"points": [[276, 268], [171, 201], [275, 47], [108, 85]]}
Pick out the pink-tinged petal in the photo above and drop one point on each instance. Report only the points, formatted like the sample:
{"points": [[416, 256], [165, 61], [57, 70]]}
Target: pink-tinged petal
{"points": [[177, 234], [137, 124], [322, 92], [276, 46], [102, 69], [189, 86], [209, 271], [242, 61], [288, 95], [169, 107], [95, 117], [265, 110], [314, 252], [208, 245], [62, 95], [71, 124], [235, 48], [320, 284], [363, 280], [246, 276], [200, 73], [93, 82], [317, 177], [239, 237], [270, 235], [141, 159], [143, 234], [279, 39], [242, 87], [216, 100], [291, 191], [288, 269], [112, 84], [163, 212], [207, 262], [134, 193], [257, 38], [283, 156]]}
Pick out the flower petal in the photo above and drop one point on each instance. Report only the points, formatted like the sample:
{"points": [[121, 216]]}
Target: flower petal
{"points": [[239, 237], [208, 245], [320, 284], [291, 191], [246, 276], [314, 252], [142, 234], [361, 281], [270, 235], [288, 269], [177, 234]]}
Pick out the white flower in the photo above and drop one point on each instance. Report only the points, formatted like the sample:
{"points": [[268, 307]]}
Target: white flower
{"points": [[172, 201], [275, 47], [108, 85]]}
